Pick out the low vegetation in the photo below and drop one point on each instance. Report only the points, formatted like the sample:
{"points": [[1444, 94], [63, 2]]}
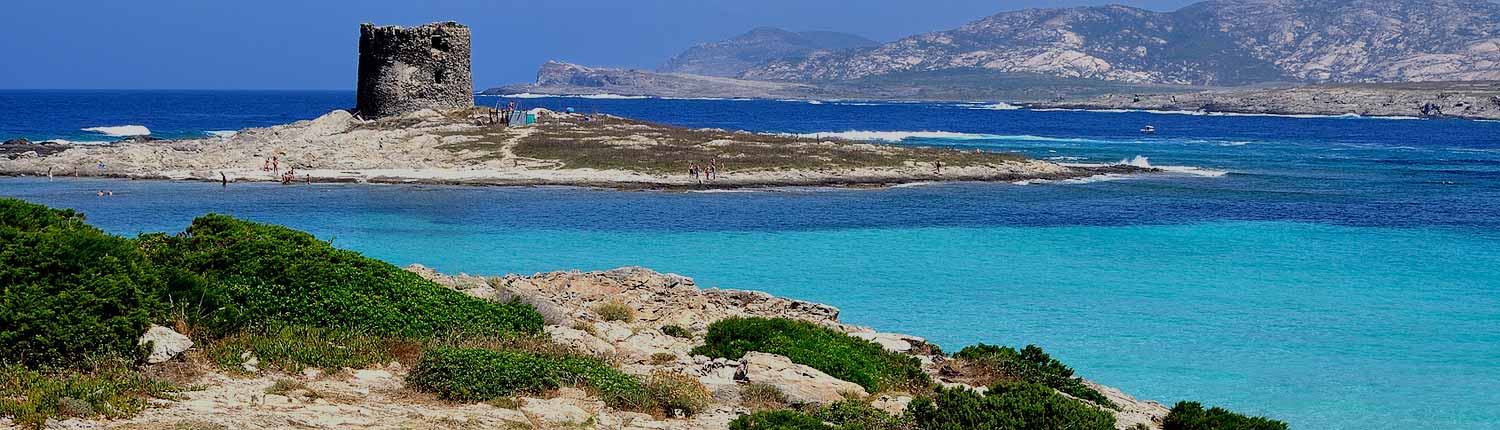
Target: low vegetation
{"points": [[109, 389], [1007, 405], [837, 354], [487, 375], [479, 374], [677, 331], [678, 395], [294, 348], [256, 273], [845, 415], [1192, 416], [778, 420], [759, 396], [858, 415], [607, 142], [1030, 364]]}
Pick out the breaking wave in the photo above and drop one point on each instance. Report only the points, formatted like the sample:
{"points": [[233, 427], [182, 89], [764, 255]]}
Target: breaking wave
{"points": [[222, 133], [1143, 162], [996, 106], [121, 130]]}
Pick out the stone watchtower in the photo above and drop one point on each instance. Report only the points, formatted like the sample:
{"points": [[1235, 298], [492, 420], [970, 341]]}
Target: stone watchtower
{"points": [[409, 69]]}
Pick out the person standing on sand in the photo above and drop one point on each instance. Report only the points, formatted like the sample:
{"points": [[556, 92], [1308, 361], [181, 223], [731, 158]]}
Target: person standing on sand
{"points": [[276, 163], [693, 170]]}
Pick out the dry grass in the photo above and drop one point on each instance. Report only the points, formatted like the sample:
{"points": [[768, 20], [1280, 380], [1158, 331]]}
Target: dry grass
{"points": [[762, 397], [613, 310], [607, 142]]}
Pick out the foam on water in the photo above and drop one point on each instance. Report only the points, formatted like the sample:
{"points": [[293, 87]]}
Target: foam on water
{"points": [[996, 106], [120, 130], [222, 133]]}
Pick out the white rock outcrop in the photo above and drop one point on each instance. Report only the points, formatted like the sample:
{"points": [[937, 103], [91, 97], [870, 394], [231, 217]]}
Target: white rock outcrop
{"points": [[165, 344]]}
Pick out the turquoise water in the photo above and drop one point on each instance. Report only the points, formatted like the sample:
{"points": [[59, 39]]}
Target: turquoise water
{"points": [[1325, 326], [1332, 273]]}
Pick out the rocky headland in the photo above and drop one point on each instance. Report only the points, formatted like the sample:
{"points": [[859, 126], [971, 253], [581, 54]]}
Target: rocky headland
{"points": [[1468, 100], [647, 343], [463, 147]]}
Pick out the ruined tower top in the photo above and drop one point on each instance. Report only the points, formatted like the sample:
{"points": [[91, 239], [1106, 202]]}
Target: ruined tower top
{"points": [[409, 69]]}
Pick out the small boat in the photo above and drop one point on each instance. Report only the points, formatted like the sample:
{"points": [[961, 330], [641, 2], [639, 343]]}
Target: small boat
{"points": [[1150, 129]]}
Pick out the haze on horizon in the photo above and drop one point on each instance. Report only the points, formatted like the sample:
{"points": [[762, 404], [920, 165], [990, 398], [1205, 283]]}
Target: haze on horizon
{"points": [[286, 44]]}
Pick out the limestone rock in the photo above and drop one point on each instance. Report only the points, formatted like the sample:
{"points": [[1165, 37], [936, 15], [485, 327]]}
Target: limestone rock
{"points": [[579, 339], [801, 384], [17, 141], [893, 342], [894, 405], [555, 412], [165, 344], [1132, 411]]}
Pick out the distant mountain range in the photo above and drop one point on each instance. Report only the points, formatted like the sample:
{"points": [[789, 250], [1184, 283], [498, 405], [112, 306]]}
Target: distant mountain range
{"points": [[1037, 54], [1219, 42], [730, 58]]}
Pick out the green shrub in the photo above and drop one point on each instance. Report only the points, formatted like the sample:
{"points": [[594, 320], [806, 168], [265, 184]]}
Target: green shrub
{"points": [[113, 390], [68, 290], [477, 374], [778, 420], [678, 395], [857, 415], [1192, 416], [261, 273], [837, 354], [294, 348], [1033, 365], [1007, 405], [615, 311], [677, 331]]}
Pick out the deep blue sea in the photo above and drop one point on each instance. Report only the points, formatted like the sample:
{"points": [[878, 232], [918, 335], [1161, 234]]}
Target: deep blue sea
{"points": [[1335, 273]]}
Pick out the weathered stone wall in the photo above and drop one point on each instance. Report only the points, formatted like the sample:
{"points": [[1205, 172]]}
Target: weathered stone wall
{"points": [[409, 69]]}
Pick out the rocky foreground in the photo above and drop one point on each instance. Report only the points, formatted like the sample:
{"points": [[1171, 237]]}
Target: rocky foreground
{"points": [[1468, 100], [462, 147], [377, 398]]}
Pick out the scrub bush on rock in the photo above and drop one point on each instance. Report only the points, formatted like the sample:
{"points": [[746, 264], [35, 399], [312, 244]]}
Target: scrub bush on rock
{"points": [[478, 374], [1007, 405], [837, 354], [1032, 365], [1192, 416]]}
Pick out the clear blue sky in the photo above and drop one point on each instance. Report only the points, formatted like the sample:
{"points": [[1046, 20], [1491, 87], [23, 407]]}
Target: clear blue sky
{"points": [[312, 44]]}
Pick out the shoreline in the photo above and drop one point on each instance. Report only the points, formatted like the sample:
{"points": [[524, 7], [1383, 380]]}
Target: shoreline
{"points": [[1474, 101], [727, 185], [594, 151]]}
